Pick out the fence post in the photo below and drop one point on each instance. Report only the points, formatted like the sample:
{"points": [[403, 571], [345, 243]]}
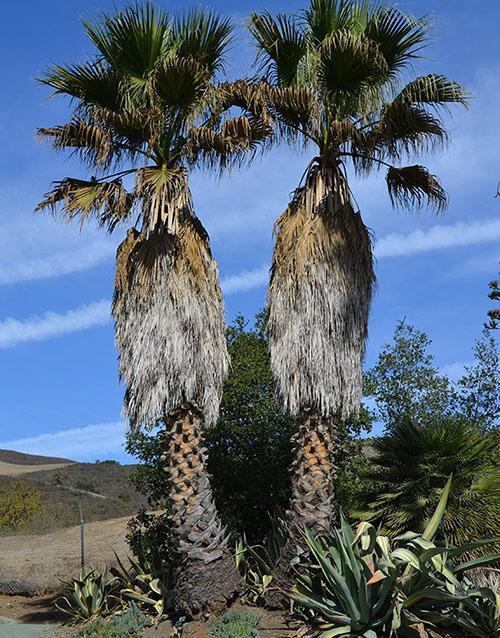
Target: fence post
{"points": [[82, 538]]}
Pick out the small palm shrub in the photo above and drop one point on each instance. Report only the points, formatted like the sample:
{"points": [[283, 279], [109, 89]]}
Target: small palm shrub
{"points": [[358, 583], [149, 580], [236, 625], [130, 623], [89, 595], [410, 467]]}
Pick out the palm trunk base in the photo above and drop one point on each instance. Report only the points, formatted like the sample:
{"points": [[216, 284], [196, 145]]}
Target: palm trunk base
{"points": [[207, 588], [313, 476]]}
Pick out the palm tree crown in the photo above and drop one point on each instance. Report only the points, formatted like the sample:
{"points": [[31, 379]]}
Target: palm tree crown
{"points": [[335, 81], [150, 105]]}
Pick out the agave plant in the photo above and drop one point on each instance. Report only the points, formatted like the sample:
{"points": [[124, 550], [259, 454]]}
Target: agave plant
{"points": [[359, 584], [89, 595], [150, 105], [149, 580], [338, 74]]}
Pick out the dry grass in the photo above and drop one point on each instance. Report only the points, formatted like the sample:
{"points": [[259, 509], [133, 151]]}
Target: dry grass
{"points": [[14, 470], [36, 563]]}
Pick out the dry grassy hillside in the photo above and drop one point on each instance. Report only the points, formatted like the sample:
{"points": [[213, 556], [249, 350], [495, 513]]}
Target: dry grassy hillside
{"points": [[102, 490]]}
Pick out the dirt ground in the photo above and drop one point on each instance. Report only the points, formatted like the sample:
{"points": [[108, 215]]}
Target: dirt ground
{"points": [[35, 564], [40, 610]]}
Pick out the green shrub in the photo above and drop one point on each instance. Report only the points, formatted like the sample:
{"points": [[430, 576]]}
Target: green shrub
{"points": [[358, 584], [236, 625], [127, 624], [85, 486], [89, 595]]}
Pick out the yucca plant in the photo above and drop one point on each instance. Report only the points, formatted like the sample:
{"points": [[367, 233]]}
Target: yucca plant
{"points": [[338, 84], [149, 106], [359, 584], [88, 595]]}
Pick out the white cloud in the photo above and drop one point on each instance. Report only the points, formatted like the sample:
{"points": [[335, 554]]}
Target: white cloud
{"points": [[454, 371], [99, 441], [245, 280], [56, 265], [52, 324], [437, 237]]}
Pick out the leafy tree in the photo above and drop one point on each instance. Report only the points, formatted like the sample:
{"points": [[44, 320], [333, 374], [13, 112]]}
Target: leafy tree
{"points": [[151, 105], [404, 382], [478, 391], [336, 76], [410, 467], [19, 502]]}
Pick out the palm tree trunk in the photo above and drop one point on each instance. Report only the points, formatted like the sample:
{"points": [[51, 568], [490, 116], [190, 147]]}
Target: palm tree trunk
{"points": [[313, 474], [208, 579]]}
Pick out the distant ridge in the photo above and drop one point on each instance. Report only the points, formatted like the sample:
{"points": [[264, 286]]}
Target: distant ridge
{"points": [[19, 458]]}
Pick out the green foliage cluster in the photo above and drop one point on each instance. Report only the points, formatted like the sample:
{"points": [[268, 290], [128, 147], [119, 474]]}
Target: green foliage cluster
{"points": [[19, 502], [358, 583], [129, 623], [236, 625], [433, 427]]}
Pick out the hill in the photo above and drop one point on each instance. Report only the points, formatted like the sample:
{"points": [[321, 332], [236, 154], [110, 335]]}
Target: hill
{"points": [[100, 490], [19, 458]]}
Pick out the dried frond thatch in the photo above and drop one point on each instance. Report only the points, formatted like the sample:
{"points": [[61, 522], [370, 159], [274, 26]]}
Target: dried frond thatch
{"points": [[93, 142], [319, 296], [169, 319], [415, 186]]}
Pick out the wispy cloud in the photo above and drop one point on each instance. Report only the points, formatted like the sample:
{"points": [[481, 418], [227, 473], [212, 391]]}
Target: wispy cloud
{"points": [[245, 280], [99, 441], [438, 237], [58, 264], [52, 324], [456, 370]]}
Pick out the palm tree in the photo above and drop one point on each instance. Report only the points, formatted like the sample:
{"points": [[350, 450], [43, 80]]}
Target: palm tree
{"points": [[335, 74], [410, 467], [147, 108]]}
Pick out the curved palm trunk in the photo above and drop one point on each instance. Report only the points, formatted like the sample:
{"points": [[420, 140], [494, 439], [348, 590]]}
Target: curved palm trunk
{"points": [[170, 335], [319, 297], [209, 579]]}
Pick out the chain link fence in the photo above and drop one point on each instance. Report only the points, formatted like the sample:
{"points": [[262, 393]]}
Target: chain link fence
{"points": [[35, 562]]}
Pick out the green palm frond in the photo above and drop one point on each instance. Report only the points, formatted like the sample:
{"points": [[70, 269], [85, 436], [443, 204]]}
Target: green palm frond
{"points": [[179, 83], [434, 90], [414, 186], [281, 46], [90, 83], [399, 36], [403, 129], [326, 17], [202, 35], [132, 40], [349, 63]]}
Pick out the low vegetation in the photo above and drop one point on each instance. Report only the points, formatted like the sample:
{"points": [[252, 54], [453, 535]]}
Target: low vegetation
{"points": [[236, 625]]}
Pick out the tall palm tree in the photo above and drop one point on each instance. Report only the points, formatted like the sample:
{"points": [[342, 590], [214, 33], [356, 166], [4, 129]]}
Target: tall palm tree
{"points": [[147, 108], [336, 76]]}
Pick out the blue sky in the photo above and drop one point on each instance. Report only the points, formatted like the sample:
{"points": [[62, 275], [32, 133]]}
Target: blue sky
{"points": [[58, 371]]}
